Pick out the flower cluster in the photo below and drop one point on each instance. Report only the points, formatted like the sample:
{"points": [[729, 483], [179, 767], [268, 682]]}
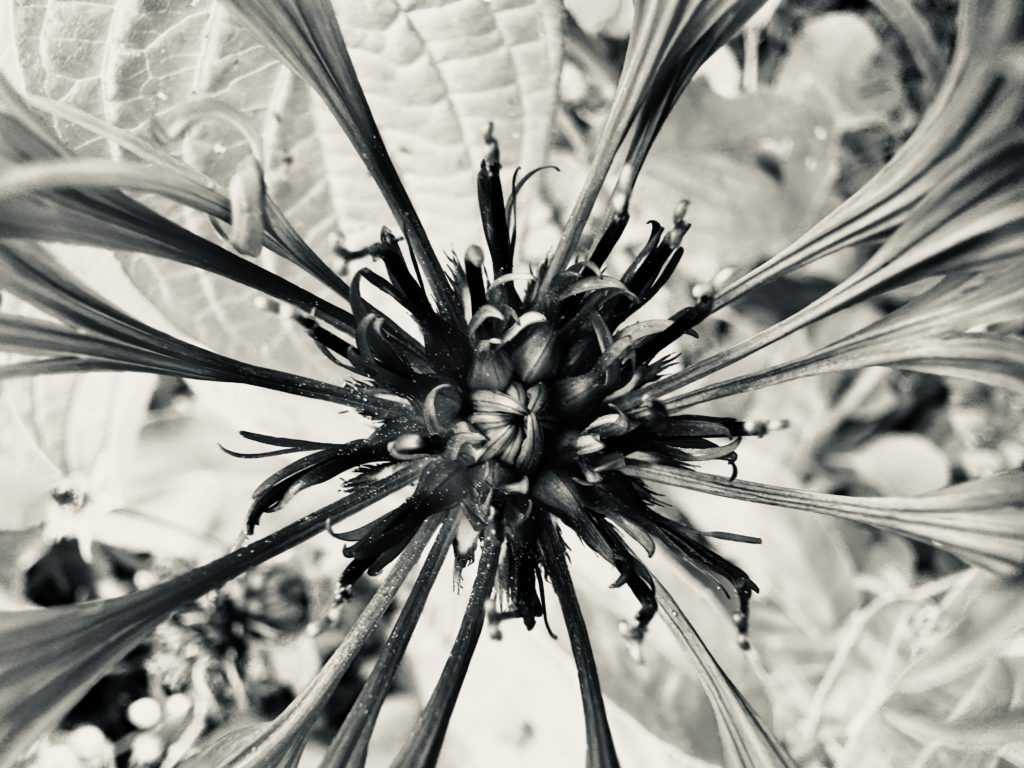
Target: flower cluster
{"points": [[513, 407]]}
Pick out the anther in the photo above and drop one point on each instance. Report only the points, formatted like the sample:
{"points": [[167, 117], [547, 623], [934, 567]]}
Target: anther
{"points": [[587, 444], [757, 428], [522, 485], [493, 156]]}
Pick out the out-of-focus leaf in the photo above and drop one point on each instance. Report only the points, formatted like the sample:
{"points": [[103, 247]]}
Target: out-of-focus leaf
{"points": [[18, 549], [802, 564], [897, 464], [435, 75], [992, 731], [918, 672], [979, 621], [185, 498], [839, 56], [757, 170], [9, 66], [26, 474], [611, 18], [86, 425]]}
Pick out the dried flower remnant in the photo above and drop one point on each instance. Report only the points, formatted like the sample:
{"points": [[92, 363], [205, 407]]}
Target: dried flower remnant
{"points": [[515, 406]]}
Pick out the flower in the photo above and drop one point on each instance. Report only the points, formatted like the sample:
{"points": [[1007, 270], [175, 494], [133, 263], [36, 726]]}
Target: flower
{"points": [[515, 407]]}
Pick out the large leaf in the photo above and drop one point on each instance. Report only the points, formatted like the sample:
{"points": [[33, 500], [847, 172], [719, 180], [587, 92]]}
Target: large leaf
{"points": [[435, 75]]}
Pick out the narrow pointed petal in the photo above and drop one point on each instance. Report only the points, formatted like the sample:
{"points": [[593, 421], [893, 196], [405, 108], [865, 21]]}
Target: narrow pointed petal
{"points": [[348, 747], [668, 42], [101, 337], [927, 335], [746, 742], [981, 101], [981, 521], [981, 357], [50, 657], [46, 194], [306, 37], [23, 135], [287, 734], [423, 746], [972, 220], [208, 196], [600, 747], [46, 202]]}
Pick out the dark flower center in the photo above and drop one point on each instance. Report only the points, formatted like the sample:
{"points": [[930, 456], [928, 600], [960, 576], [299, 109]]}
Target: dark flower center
{"points": [[506, 407]]}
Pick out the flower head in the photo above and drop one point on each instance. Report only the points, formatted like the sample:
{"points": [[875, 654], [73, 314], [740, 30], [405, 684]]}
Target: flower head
{"points": [[514, 407]]}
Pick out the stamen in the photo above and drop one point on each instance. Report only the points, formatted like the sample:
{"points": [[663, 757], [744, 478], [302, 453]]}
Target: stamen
{"points": [[492, 208], [473, 264]]}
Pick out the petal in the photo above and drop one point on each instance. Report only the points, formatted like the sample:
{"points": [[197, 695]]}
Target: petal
{"points": [[600, 747], [980, 102], [981, 357], [926, 335], [47, 195], [270, 746], [306, 37], [972, 220], [348, 747], [424, 743], [98, 336], [981, 521], [746, 742], [49, 658], [282, 238], [669, 41], [23, 136], [76, 201]]}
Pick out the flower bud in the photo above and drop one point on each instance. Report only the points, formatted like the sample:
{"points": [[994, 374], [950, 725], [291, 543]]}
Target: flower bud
{"points": [[491, 369], [578, 393], [534, 352]]}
